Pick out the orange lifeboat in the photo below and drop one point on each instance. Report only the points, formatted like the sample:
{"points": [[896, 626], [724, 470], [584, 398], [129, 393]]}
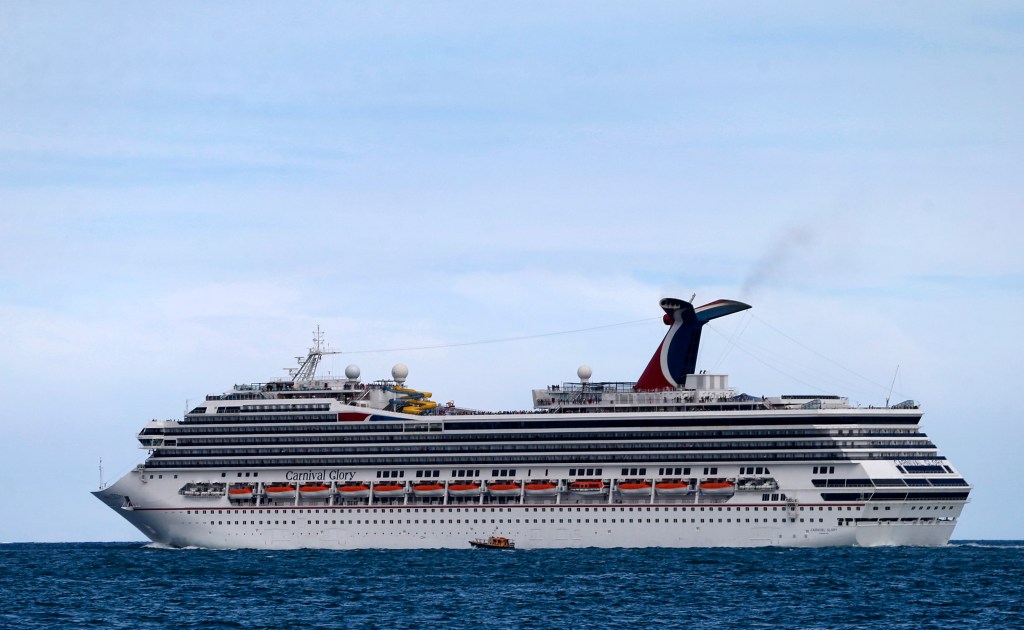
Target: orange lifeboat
{"points": [[717, 487], [240, 493], [635, 488], [428, 490], [279, 491], [672, 487], [388, 490], [314, 491], [504, 489], [464, 489], [587, 486], [354, 491], [541, 489]]}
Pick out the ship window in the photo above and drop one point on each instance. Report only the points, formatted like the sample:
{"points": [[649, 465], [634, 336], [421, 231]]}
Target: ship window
{"points": [[625, 471]]}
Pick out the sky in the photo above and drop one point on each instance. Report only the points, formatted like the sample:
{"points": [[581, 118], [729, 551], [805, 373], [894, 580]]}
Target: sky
{"points": [[188, 190]]}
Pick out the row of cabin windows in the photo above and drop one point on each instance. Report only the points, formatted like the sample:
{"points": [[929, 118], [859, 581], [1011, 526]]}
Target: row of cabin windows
{"points": [[670, 471], [501, 520], [635, 471], [390, 474], [465, 473], [754, 470], [503, 472], [585, 472], [482, 510], [428, 473], [824, 470], [174, 460], [329, 424]]}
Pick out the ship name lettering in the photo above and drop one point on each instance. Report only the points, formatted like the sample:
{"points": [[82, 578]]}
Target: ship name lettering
{"points": [[319, 475]]}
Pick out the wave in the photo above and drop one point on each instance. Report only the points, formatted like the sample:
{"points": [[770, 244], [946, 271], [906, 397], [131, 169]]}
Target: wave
{"points": [[988, 544]]}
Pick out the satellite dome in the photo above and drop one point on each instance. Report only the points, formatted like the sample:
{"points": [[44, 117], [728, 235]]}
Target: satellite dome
{"points": [[400, 372], [352, 372], [584, 373]]}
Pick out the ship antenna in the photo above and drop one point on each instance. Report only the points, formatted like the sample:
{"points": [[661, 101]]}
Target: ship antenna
{"points": [[891, 385], [102, 485], [307, 366]]}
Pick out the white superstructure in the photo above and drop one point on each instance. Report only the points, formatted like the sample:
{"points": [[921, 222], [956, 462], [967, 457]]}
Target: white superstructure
{"points": [[676, 459]]}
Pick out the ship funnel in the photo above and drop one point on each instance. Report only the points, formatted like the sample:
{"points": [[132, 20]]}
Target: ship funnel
{"points": [[677, 355]]}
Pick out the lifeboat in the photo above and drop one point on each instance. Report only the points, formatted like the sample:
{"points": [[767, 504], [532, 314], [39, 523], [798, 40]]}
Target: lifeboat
{"points": [[504, 489], [541, 489], [279, 491], [672, 487], [314, 491], [240, 493], [464, 489], [388, 490], [354, 491], [635, 488], [426, 490], [587, 486], [717, 487]]}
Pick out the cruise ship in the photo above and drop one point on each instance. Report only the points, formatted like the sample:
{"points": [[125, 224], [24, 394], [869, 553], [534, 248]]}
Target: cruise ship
{"points": [[675, 459]]}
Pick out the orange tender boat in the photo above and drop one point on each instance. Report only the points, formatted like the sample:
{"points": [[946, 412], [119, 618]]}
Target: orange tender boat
{"points": [[717, 487], [314, 491], [504, 489], [356, 490], [279, 492], [428, 490], [635, 488], [464, 489], [542, 489], [672, 487], [388, 490], [240, 493], [587, 486]]}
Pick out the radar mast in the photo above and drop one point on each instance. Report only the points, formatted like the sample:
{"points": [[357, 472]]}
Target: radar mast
{"points": [[307, 365]]}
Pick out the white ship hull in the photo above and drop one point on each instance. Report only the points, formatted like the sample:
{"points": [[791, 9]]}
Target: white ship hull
{"points": [[217, 523]]}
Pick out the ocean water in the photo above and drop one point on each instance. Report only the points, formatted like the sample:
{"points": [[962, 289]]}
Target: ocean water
{"points": [[133, 585]]}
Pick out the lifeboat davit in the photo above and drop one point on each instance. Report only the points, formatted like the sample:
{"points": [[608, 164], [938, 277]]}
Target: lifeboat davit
{"points": [[428, 490], [279, 492], [635, 488], [504, 489], [717, 487], [388, 490], [464, 489], [587, 486], [314, 491], [354, 491], [240, 493], [541, 489], [672, 487]]}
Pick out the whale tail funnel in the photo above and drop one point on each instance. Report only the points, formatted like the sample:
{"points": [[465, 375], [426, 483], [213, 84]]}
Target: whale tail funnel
{"points": [[677, 355]]}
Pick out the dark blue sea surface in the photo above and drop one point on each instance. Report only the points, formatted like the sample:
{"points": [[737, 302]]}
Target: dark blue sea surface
{"points": [[131, 585]]}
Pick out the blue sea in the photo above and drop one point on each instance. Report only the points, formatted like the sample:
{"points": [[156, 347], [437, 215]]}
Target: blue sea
{"points": [[134, 585]]}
